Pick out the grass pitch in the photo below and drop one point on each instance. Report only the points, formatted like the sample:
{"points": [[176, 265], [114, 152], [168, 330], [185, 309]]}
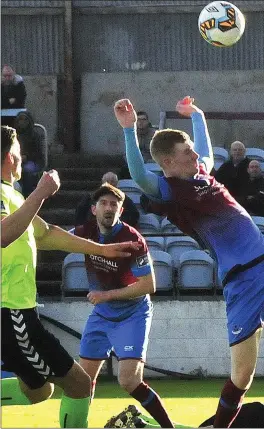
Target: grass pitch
{"points": [[188, 402]]}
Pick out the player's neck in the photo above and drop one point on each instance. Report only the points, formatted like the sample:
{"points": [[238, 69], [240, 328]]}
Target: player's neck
{"points": [[7, 176]]}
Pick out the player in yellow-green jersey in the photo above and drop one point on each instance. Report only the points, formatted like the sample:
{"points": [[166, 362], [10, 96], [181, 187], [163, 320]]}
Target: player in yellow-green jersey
{"points": [[28, 349]]}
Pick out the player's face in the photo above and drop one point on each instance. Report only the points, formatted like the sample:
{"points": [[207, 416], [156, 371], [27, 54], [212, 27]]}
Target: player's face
{"points": [[16, 160], [183, 161], [107, 211]]}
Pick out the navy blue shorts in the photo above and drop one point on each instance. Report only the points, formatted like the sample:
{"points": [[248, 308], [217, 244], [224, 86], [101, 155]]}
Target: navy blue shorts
{"points": [[245, 304], [128, 338]]}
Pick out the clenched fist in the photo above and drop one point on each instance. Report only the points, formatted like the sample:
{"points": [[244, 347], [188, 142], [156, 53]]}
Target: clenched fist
{"points": [[125, 113], [48, 184]]}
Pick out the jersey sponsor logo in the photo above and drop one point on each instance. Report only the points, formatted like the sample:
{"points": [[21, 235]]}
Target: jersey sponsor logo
{"points": [[142, 261], [236, 330], [103, 263], [128, 348], [3, 206]]}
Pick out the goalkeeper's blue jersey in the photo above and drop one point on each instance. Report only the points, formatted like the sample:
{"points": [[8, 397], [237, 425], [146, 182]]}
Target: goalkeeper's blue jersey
{"points": [[113, 273], [204, 209]]}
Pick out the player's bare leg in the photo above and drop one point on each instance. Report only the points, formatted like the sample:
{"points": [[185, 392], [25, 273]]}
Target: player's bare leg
{"points": [[130, 378], [243, 365]]}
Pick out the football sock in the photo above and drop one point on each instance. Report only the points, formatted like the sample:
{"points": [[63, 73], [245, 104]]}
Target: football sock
{"points": [[150, 400], [11, 394], [74, 412], [229, 405]]}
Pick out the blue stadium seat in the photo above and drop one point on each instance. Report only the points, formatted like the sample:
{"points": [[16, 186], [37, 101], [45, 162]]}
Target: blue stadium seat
{"points": [[176, 246], [128, 185], [259, 221], [155, 243], [155, 168], [167, 227], [255, 153], [149, 223], [162, 265], [196, 270], [74, 276], [220, 156]]}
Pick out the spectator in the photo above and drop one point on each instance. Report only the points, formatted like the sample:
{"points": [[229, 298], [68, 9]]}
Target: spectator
{"points": [[233, 173], [252, 198], [13, 91], [145, 132], [130, 213], [32, 139]]}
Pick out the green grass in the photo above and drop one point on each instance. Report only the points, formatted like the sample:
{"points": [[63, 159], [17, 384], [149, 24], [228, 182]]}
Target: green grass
{"points": [[188, 402]]}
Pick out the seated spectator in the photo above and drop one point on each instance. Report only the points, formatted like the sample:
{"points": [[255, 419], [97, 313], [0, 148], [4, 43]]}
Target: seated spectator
{"points": [[13, 90], [233, 173], [252, 197], [32, 139], [130, 213], [145, 132]]}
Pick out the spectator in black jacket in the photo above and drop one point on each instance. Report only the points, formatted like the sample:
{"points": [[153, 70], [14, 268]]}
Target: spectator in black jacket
{"points": [[234, 172], [252, 197], [130, 213], [13, 90], [32, 139]]}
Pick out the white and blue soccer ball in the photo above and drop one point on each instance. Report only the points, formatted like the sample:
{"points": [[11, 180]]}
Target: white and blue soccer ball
{"points": [[221, 23]]}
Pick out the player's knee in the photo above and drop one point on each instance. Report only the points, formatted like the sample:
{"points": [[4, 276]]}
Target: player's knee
{"points": [[77, 383], [39, 395], [128, 382]]}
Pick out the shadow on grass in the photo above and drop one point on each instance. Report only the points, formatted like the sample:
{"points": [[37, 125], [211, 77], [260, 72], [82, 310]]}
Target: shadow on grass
{"points": [[167, 388]]}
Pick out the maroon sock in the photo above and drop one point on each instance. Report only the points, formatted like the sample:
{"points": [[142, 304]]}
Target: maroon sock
{"points": [[151, 401], [229, 405]]}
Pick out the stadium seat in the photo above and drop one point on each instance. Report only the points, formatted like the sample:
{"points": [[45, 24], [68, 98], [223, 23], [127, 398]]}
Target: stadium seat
{"points": [[255, 153], [155, 243], [162, 264], [259, 221], [155, 168], [74, 276], [167, 227], [220, 156], [148, 223], [196, 270], [176, 246], [128, 185]]}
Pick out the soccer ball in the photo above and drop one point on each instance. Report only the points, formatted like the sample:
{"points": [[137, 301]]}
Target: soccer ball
{"points": [[221, 23]]}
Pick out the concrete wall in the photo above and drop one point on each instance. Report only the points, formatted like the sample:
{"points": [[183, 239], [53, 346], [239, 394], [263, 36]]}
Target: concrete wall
{"points": [[42, 102], [151, 91], [187, 336]]}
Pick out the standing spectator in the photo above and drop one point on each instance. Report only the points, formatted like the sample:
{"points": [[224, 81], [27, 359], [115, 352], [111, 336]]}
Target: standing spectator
{"points": [[252, 198], [13, 90], [234, 172], [33, 143], [130, 214], [145, 132]]}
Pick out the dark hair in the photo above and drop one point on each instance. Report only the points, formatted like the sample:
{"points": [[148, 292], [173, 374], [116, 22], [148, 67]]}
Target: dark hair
{"points": [[107, 189], [8, 136], [163, 142], [142, 113]]}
